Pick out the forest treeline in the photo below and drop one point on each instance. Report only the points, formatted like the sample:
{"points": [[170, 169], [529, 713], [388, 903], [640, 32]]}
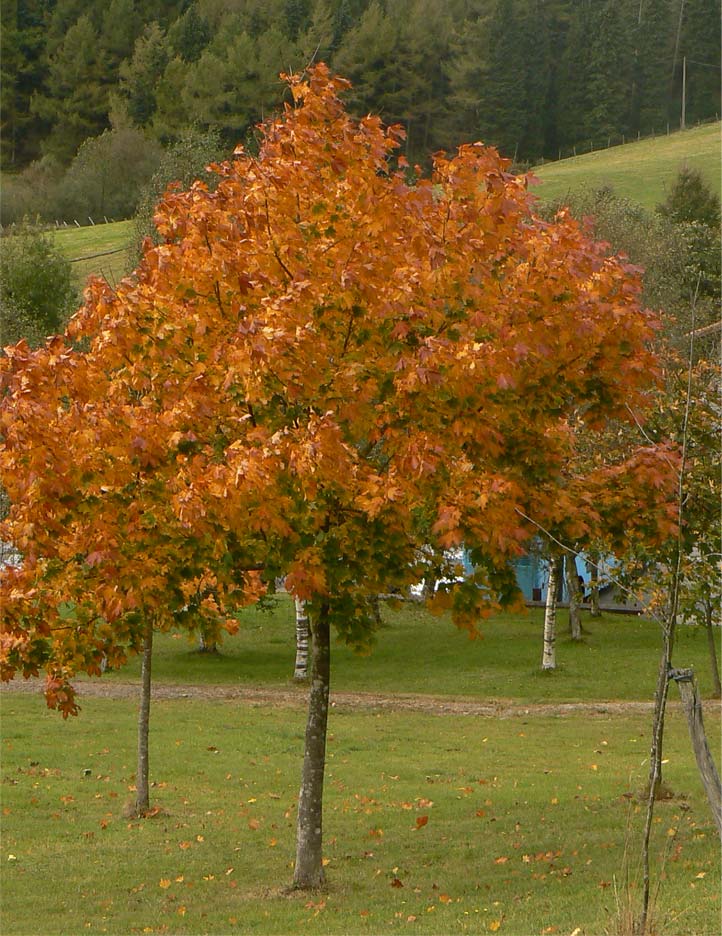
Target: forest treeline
{"points": [[529, 76]]}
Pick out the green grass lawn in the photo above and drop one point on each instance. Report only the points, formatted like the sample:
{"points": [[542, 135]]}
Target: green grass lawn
{"points": [[77, 242], [417, 652], [641, 171], [529, 822]]}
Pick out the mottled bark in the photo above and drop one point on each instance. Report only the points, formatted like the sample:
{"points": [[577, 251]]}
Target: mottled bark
{"points": [[300, 671], [575, 597], [549, 655], [712, 645], [309, 838], [707, 770], [142, 796]]}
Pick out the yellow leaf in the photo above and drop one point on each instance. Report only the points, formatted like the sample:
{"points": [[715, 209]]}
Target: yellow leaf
{"points": [[182, 910], [164, 883], [494, 925], [444, 898]]}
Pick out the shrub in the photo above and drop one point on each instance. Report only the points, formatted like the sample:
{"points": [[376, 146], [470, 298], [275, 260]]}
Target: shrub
{"points": [[108, 174], [36, 286]]}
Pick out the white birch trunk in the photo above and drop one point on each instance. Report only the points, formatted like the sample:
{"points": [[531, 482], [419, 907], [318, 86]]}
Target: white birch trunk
{"points": [[300, 671], [549, 655]]}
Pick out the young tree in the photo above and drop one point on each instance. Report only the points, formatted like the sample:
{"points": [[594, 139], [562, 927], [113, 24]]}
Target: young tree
{"points": [[326, 371]]}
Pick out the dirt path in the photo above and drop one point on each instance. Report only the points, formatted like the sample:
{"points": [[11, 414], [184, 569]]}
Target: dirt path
{"points": [[287, 697]]}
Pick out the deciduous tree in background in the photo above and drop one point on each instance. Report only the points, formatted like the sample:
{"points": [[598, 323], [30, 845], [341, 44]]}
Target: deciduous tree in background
{"points": [[325, 370]]}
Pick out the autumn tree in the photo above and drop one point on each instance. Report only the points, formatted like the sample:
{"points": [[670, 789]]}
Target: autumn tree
{"points": [[327, 370]]}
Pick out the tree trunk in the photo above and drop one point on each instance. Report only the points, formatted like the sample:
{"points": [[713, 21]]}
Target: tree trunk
{"points": [[594, 588], [575, 614], [142, 796], [707, 770], [207, 644], [300, 671], [549, 655], [711, 643], [309, 840]]}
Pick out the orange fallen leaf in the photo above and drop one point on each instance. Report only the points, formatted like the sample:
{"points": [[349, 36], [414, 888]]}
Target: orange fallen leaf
{"points": [[184, 845], [501, 860], [494, 925], [164, 883], [444, 898], [396, 883], [421, 821], [254, 824]]}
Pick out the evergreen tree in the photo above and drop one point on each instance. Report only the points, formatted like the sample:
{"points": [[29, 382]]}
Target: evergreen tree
{"points": [[654, 45], [171, 116], [574, 95], [700, 44], [22, 71], [503, 100], [121, 24], [75, 100], [610, 73], [189, 34], [140, 75]]}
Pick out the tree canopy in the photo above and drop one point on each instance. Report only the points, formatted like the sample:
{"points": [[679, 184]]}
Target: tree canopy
{"points": [[329, 368]]}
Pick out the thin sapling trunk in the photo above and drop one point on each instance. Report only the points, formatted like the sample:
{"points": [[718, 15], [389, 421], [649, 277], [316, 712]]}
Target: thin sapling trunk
{"points": [[142, 796], [309, 871], [594, 609]]}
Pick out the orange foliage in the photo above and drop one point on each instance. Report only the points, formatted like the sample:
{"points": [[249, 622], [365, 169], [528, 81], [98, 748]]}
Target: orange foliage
{"points": [[330, 368]]}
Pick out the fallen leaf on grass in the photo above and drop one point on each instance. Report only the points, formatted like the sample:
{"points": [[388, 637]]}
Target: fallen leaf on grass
{"points": [[494, 925], [444, 898], [396, 883], [164, 883], [501, 860], [421, 822]]}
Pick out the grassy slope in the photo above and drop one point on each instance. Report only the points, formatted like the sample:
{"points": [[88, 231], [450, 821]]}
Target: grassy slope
{"points": [[640, 171], [83, 242], [528, 822]]}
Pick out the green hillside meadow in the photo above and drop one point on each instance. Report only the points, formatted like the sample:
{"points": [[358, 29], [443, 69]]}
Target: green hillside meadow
{"points": [[641, 171]]}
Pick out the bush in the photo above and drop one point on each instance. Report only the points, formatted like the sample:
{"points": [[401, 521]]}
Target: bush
{"points": [[108, 175], [36, 286], [31, 193]]}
